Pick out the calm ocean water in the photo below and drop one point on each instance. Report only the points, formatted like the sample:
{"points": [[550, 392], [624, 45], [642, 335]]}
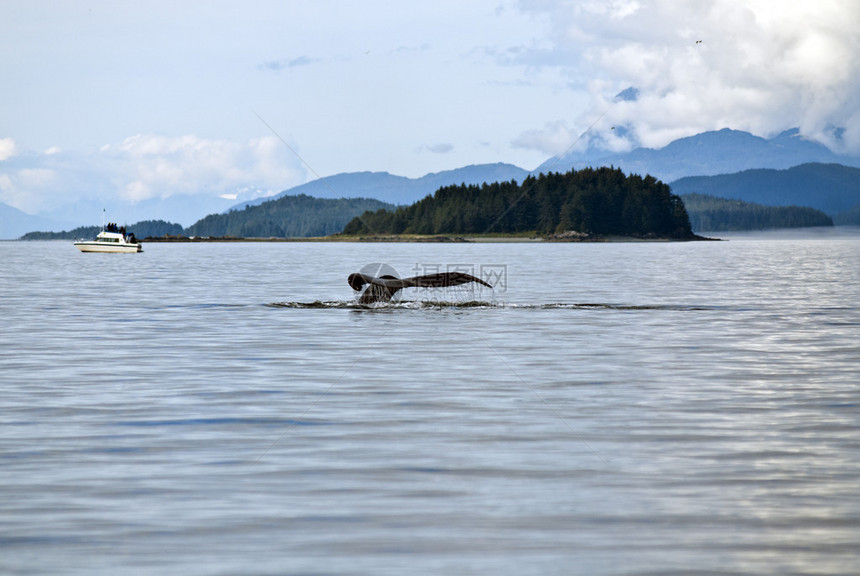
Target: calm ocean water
{"points": [[632, 408]]}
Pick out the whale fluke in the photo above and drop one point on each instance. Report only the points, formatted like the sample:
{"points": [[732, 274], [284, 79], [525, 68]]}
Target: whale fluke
{"points": [[383, 288]]}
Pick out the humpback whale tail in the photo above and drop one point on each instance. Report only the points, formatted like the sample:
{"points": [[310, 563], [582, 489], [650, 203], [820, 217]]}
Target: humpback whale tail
{"points": [[383, 288]]}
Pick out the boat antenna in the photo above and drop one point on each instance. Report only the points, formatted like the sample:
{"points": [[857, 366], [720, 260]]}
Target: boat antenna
{"points": [[103, 219]]}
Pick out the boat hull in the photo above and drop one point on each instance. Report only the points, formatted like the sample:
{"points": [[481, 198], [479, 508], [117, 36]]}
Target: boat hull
{"points": [[105, 247]]}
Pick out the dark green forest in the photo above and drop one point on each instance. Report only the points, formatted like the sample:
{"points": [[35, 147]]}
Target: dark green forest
{"points": [[593, 201], [287, 217], [850, 217], [141, 230], [601, 201], [712, 214], [831, 188]]}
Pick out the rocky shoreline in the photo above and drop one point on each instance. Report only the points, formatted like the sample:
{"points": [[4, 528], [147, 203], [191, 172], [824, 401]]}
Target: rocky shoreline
{"points": [[569, 236]]}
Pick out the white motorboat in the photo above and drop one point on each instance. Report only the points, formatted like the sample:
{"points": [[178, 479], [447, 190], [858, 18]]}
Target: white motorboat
{"points": [[110, 242]]}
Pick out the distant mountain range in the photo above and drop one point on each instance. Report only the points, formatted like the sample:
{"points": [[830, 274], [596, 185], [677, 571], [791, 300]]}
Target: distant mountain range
{"points": [[709, 153], [396, 189], [388, 188], [740, 156], [600, 201], [831, 188], [287, 217], [830, 179], [14, 223], [712, 214]]}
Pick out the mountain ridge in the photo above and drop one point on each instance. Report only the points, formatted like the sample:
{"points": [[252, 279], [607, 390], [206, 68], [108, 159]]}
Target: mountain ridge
{"points": [[709, 153], [392, 188], [15, 223], [712, 214], [298, 215], [831, 188], [721, 152]]}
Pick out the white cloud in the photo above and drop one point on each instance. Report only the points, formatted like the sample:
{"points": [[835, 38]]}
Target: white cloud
{"points": [[554, 138], [7, 148], [6, 185], [150, 166], [364, 86], [760, 65], [287, 63], [18, 188], [160, 166], [36, 177], [439, 148]]}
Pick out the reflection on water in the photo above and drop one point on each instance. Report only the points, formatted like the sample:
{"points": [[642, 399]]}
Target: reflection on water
{"points": [[610, 409], [442, 303]]}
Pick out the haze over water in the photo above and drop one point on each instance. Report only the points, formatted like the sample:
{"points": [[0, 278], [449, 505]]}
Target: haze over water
{"points": [[631, 408]]}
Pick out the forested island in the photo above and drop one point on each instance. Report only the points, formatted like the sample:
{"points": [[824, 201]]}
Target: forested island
{"points": [[299, 216], [849, 217], [713, 214], [591, 202], [286, 217], [588, 204], [142, 229], [831, 188]]}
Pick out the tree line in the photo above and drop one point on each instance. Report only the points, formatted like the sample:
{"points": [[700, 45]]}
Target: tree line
{"points": [[850, 217], [286, 217], [142, 229], [713, 214], [596, 201]]}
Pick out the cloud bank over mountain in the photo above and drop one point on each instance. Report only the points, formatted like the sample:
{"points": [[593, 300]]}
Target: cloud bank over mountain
{"points": [[135, 103], [145, 168], [758, 66]]}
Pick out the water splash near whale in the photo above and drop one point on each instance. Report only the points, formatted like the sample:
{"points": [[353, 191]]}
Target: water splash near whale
{"points": [[481, 304]]}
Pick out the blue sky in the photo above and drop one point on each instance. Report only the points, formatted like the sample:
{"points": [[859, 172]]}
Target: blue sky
{"points": [[136, 101]]}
